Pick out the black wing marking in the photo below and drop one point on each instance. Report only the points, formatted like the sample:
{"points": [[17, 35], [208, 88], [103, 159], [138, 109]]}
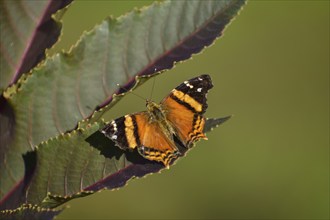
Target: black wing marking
{"points": [[197, 88], [115, 131]]}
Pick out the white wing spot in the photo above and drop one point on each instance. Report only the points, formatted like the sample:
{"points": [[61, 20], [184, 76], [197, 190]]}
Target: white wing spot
{"points": [[113, 123], [199, 89], [114, 137], [200, 79], [188, 84]]}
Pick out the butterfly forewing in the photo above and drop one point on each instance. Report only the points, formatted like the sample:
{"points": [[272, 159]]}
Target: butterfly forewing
{"points": [[185, 107], [192, 93], [123, 132]]}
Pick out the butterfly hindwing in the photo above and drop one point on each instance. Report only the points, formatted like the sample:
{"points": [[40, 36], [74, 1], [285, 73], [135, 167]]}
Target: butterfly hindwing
{"points": [[156, 144], [185, 107]]}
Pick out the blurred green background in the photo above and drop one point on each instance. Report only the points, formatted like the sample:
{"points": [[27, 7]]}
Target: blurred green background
{"points": [[271, 160]]}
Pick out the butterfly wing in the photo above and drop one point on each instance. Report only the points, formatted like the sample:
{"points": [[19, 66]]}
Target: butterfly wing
{"points": [[123, 132], [135, 131], [185, 106], [184, 109], [155, 143]]}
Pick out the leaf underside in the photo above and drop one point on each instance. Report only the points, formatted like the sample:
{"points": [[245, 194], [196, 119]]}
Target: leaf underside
{"points": [[26, 30], [69, 87]]}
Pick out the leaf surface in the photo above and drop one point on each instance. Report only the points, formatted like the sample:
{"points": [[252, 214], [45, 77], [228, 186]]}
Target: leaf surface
{"points": [[68, 87], [26, 30]]}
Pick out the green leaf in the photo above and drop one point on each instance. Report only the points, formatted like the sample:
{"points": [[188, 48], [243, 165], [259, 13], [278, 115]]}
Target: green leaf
{"points": [[68, 87], [84, 161], [26, 30]]}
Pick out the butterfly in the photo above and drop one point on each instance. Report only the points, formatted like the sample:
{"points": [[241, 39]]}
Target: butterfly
{"points": [[152, 132]]}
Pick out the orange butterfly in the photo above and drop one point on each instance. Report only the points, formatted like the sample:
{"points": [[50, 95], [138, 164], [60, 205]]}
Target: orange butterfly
{"points": [[152, 132]]}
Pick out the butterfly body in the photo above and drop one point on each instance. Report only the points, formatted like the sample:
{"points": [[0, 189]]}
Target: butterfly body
{"points": [[152, 132], [158, 115]]}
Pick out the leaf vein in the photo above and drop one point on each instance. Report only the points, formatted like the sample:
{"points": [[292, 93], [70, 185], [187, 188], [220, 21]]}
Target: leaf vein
{"points": [[105, 68], [77, 92], [84, 170], [54, 109], [28, 12]]}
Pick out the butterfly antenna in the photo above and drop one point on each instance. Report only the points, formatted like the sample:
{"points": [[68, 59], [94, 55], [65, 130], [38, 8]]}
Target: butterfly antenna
{"points": [[152, 88], [131, 92]]}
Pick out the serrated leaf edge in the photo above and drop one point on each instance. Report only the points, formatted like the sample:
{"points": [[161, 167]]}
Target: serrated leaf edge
{"points": [[29, 206]]}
